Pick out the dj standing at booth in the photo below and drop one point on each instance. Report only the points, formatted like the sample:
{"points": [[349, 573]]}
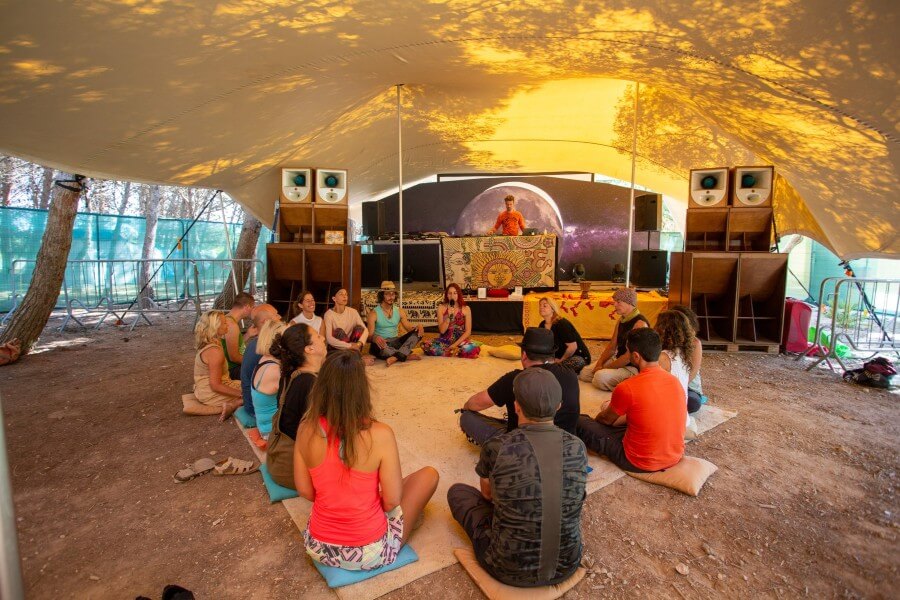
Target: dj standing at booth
{"points": [[510, 221]]}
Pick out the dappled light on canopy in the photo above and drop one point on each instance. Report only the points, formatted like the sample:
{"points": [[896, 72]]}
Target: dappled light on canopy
{"points": [[225, 94]]}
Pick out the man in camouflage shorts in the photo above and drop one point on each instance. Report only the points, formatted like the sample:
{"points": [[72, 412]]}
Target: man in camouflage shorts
{"points": [[525, 523]]}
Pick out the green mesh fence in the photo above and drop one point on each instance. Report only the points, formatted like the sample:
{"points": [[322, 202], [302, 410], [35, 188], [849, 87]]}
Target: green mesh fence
{"points": [[112, 237]]}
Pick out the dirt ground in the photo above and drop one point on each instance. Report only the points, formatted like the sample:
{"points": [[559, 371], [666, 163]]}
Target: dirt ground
{"points": [[803, 504]]}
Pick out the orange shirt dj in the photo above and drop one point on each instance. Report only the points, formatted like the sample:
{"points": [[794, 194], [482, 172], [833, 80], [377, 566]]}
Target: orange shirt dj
{"points": [[510, 220]]}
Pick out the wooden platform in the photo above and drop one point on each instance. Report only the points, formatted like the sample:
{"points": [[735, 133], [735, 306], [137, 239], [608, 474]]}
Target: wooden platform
{"points": [[732, 347]]}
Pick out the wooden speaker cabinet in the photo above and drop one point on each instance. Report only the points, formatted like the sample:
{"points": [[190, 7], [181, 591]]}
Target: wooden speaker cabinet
{"points": [[322, 269], [706, 229], [738, 296], [761, 290], [307, 223], [749, 229]]}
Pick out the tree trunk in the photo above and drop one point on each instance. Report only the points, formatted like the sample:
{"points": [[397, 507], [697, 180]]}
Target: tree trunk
{"points": [[151, 212], [117, 230], [31, 316], [6, 179], [46, 187], [246, 248]]}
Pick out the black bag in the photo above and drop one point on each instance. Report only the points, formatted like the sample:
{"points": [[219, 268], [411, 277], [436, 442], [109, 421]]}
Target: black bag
{"points": [[876, 373]]}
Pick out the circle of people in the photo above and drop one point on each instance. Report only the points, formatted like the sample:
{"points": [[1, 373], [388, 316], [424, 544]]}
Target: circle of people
{"points": [[305, 383]]}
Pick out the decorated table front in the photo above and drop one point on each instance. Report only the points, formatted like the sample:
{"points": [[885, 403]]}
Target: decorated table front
{"points": [[593, 317]]}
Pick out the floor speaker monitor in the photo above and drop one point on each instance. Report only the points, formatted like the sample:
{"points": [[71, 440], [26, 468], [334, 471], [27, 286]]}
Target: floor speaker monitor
{"points": [[296, 185], [709, 188], [752, 187], [331, 186]]}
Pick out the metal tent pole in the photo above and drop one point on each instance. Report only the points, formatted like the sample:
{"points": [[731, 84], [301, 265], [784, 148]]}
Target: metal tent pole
{"points": [[10, 563], [400, 185], [637, 94]]}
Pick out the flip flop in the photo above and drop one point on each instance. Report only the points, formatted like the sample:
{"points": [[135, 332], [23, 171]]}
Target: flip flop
{"points": [[235, 466], [200, 466]]}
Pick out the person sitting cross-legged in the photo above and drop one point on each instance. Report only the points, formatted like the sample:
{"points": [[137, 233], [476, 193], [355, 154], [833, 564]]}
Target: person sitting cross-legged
{"points": [[260, 314], [642, 428], [613, 367], [537, 351], [387, 343], [571, 351], [525, 522], [213, 388], [347, 463], [233, 343], [695, 394]]}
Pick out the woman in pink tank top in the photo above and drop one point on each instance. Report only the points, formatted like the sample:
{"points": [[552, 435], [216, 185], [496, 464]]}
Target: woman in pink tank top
{"points": [[347, 463]]}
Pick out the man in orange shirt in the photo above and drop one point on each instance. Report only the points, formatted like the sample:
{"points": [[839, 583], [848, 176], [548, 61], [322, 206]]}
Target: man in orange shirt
{"points": [[511, 221], [642, 429]]}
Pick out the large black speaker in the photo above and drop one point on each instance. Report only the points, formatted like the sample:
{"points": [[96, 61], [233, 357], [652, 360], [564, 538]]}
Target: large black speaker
{"points": [[373, 219], [647, 212], [649, 268], [374, 269]]}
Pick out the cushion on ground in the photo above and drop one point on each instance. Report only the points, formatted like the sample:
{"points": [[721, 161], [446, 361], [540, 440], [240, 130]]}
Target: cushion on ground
{"points": [[245, 418], [192, 406], [336, 577], [495, 590], [277, 493], [509, 351], [687, 476]]}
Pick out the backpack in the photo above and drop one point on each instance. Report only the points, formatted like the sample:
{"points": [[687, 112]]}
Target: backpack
{"points": [[876, 373]]}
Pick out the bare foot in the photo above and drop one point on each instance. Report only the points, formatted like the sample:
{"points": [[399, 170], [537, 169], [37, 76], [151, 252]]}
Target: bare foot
{"points": [[391, 360], [228, 409], [368, 360], [413, 357]]}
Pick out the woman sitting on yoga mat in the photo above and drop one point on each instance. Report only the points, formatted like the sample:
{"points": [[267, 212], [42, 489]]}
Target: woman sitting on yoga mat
{"points": [[266, 377], [696, 399], [455, 324], [571, 351], [301, 351], [212, 386], [348, 465], [677, 338]]}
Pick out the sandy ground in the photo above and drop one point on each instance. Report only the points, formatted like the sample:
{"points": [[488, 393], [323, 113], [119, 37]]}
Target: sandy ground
{"points": [[804, 502]]}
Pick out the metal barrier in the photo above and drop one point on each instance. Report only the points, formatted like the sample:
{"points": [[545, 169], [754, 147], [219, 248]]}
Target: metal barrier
{"points": [[862, 313], [111, 287]]}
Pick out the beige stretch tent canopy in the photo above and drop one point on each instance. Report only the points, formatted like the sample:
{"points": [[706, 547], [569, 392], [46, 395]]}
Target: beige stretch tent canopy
{"points": [[223, 94]]}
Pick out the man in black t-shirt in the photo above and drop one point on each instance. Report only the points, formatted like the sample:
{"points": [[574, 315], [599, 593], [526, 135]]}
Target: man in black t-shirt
{"points": [[537, 352]]}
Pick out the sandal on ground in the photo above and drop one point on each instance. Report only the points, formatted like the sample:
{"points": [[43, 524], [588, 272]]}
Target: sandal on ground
{"points": [[200, 466], [235, 466]]}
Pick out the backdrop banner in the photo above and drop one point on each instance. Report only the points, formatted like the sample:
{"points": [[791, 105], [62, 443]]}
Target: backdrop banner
{"points": [[500, 261]]}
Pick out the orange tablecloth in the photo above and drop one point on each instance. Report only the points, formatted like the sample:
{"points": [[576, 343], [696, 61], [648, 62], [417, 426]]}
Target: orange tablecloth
{"points": [[593, 317]]}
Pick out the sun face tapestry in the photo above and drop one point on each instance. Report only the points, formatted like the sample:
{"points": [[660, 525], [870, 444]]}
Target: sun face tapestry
{"points": [[500, 261]]}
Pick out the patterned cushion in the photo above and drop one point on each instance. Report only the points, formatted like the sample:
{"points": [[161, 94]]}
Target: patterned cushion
{"points": [[337, 577]]}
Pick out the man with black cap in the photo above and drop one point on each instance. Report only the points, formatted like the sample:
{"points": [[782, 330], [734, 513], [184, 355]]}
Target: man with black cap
{"points": [[525, 522], [537, 351]]}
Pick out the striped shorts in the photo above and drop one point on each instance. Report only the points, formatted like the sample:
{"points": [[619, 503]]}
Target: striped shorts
{"points": [[379, 553]]}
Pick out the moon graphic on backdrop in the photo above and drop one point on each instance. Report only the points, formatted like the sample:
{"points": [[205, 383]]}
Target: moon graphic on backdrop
{"points": [[537, 207]]}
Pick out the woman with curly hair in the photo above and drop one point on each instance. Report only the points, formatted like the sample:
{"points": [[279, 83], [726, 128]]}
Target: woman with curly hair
{"points": [[215, 391], [696, 399], [455, 324], [300, 350], [677, 338]]}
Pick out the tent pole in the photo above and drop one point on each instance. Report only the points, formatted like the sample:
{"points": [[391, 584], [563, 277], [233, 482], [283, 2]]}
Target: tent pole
{"points": [[10, 563], [634, 129], [400, 186]]}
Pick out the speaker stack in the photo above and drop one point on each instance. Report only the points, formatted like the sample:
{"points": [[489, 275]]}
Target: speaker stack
{"points": [[726, 273], [313, 251], [649, 264]]}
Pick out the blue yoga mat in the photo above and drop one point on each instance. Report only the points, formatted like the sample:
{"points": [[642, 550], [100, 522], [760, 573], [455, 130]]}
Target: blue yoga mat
{"points": [[336, 577], [277, 493]]}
